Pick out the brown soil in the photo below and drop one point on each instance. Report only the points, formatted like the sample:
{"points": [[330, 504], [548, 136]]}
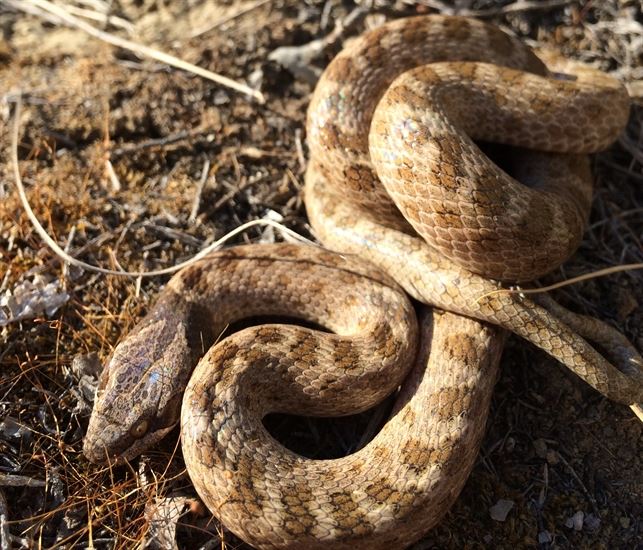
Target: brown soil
{"points": [[554, 447]]}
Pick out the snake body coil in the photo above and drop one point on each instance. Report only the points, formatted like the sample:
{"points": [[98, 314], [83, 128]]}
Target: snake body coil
{"points": [[391, 128]]}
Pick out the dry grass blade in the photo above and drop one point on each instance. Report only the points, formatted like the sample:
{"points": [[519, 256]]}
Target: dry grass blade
{"points": [[141, 49], [561, 284]]}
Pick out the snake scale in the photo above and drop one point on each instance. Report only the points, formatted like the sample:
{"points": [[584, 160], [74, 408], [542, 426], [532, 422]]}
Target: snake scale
{"points": [[390, 128]]}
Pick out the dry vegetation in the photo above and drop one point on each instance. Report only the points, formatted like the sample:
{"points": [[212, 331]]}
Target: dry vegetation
{"points": [[117, 149]]}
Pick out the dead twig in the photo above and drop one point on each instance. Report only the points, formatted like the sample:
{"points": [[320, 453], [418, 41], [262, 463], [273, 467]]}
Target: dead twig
{"points": [[5, 536], [149, 143], [298, 59], [199, 191], [566, 282], [220, 22], [516, 7], [101, 17]]}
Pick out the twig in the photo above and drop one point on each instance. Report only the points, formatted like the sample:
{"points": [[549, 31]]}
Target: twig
{"points": [[220, 22], [234, 190], [519, 6], [589, 496], [70, 240], [199, 191], [111, 175], [567, 282], [171, 233], [9, 480], [631, 147], [101, 17], [301, 157], [5, 536], [100, 6], [615, 217], [516, 7], [149, 143], [141, 49], [285, 231], [25, 7]]}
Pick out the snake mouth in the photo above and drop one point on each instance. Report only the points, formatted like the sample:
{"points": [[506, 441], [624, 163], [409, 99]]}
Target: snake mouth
{"points": [[104, 450], [102, 453], [114, 446], [107, 444], [97, 453]]}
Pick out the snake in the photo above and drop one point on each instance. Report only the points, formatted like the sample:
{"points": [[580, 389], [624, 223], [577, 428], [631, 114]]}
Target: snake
{"points": [[408, 205]]}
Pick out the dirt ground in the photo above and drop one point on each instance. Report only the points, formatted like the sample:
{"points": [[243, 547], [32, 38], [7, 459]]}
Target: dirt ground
{"points": [[113, 149]]}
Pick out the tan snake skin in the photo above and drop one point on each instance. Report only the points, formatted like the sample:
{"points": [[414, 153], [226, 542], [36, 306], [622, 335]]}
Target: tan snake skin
{"points": [[475, 219], [421, 141]]}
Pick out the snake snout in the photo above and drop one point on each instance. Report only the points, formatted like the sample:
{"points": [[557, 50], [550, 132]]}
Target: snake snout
{"points": [[103, 448]]}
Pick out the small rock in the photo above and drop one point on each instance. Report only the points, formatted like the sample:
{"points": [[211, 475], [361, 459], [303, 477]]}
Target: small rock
{"points": [[624, 521], [552, 457], [87, 368], [255, 78], [500, 509], [10, 428], [576, 521], [298, 59], [540, 447], [221, 98], [30, 299], [544, 537], [87, 364], [592, 522]]}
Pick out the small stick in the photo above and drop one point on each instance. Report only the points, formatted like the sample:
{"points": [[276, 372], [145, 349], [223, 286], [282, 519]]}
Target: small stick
{"points": [[101, 18], [301, 157], [199, 191], [113, 178], [5, 535], [516, 7], [220, 22], [156, 142], [567, 282]]}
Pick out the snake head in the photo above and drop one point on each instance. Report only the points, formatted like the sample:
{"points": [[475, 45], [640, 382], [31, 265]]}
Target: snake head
{"points": [[139, 396]]}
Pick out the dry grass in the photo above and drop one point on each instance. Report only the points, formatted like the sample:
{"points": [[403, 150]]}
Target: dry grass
{"points": [[172, 140]]}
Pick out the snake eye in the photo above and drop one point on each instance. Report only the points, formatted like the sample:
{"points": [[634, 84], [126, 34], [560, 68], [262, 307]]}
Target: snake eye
{"points": [[139, 430]]}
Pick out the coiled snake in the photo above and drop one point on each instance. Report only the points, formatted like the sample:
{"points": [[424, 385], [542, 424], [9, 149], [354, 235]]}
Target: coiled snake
{"points": [[460, 80]]}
